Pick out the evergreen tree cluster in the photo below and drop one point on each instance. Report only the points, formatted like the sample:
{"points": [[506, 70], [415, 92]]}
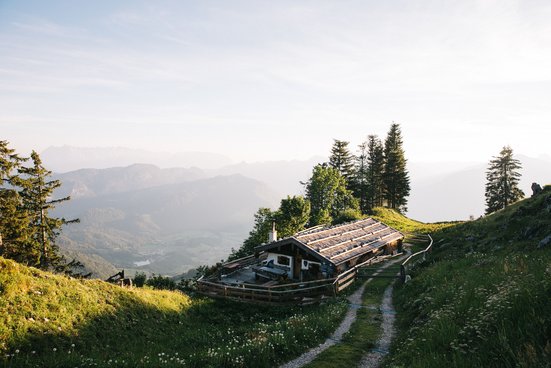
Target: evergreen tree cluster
{"points": [[377, 175], [27, 231]]}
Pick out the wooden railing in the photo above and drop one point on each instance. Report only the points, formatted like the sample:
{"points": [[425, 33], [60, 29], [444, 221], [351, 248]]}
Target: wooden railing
{"points": [[283, 294], [414, 258], [297, 293]]}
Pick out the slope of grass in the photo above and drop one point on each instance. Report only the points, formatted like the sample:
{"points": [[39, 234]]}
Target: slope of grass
{"points": [[406, 225], [48, 320], [483, 298]]}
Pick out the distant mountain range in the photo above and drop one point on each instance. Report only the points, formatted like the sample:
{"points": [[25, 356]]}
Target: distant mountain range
{"points": [[166, 223], [68, 158], [97, 182]]}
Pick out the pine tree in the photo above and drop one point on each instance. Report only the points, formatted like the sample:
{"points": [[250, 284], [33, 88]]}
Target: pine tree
{"points": [[395, 176], [360, 183], [14, 221], [375, 169], [502, 181], [36, 192], [342, 160]]}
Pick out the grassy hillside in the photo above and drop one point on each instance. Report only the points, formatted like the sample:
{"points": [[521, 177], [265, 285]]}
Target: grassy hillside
{"points": [[48, 320], [407, 225], [482, 300]]}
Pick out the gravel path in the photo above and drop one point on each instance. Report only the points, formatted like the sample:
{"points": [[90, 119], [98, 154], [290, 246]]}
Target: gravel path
{"points": [[373, 359], [355, 301]]}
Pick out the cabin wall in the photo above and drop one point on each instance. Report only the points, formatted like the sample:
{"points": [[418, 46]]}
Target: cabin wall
{"points": [[279, 260], [302, 265]]}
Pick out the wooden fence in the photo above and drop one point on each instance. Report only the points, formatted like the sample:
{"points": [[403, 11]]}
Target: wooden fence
{"points": [[414, 258], [283, 294]]}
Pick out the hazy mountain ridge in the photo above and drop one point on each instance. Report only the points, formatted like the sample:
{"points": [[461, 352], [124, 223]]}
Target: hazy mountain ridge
{"points": [[96, 182], [68, 158], [284, 176], [167, 228]]}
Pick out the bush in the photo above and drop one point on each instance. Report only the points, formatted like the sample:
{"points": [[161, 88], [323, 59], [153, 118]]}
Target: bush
{"points": [[161, 283], [347, 216], [139, 279]]}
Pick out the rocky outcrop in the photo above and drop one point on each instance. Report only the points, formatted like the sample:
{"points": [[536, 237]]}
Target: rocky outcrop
{"points": [[536, 189]]}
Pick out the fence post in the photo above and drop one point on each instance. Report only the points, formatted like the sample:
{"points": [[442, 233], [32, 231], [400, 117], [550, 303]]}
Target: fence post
{"points": [[403, 272]]}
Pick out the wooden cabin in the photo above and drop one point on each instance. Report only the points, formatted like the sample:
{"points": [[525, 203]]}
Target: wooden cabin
{"points": [[325, 252]]}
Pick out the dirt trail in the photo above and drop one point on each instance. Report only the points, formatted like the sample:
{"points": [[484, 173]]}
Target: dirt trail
{"points": [[355, 301], [373, 359]]}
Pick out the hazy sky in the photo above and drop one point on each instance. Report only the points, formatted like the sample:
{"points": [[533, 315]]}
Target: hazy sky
{"points": [[260, 80]]}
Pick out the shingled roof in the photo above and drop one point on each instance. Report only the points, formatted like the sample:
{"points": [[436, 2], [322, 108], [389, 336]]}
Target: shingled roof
{"points": [[340, 243]]}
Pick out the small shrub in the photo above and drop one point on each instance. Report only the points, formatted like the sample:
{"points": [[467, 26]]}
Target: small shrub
{"points": [[139, 279], [161, 283]]}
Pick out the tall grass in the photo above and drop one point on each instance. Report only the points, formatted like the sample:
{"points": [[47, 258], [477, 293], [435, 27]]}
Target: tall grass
{"points": [[53, 321], [483, 300]]}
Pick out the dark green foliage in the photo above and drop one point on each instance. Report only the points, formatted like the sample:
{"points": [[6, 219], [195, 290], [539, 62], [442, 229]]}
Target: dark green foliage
{"points": [[291, 217], [343, 161], [36, 192], [14, 221], [375, 170], [347, 216], [360, 183], [161, 283], [14, 225], [395, 177], [27, 231], [328, 195], [139, 279], [368, 181], [502, 179]]}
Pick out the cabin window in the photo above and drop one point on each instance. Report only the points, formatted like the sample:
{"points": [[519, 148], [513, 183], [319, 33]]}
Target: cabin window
{"points": [[284, 261]]}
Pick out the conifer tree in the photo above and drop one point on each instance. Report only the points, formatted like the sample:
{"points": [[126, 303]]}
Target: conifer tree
{"points": [[375, 169], [343, 161], [395, 176], [360, 183], [14, 221], [36, 192], [502, 181]]}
